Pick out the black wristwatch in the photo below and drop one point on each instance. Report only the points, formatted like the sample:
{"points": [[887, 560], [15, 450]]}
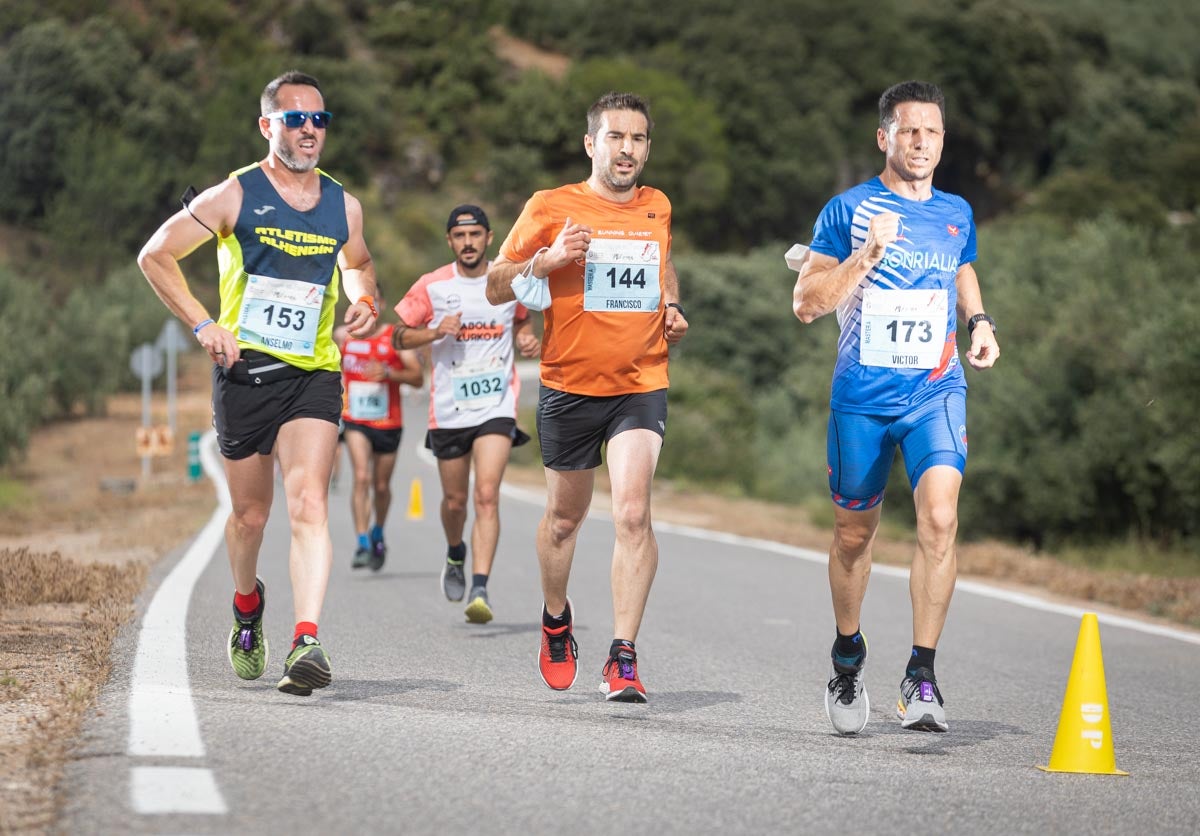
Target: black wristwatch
{"points": [[978, 318], [677, 307]]}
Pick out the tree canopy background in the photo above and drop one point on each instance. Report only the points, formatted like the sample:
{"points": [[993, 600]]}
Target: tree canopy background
{"points": [[1072, 128]]}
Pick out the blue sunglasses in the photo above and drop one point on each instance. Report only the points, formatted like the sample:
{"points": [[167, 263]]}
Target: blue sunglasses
{"points": [[297, 118]]}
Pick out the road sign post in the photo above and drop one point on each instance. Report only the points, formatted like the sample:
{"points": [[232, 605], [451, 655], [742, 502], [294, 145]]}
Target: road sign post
{"points": [[146, 361], [171, 342]]}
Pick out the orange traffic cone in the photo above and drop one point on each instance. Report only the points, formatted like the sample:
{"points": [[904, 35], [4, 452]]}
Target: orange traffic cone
{"points": [[416, 509], [1084, 739]]}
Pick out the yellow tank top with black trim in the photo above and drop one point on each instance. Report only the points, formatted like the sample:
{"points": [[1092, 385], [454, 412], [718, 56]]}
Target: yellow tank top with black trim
{"points": [[279, 272]]}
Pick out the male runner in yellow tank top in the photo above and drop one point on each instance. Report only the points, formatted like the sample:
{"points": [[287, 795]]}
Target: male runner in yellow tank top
{"points": [[286, 232]]}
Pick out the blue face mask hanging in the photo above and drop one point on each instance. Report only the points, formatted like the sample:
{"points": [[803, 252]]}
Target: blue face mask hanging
{"points": [[532, 292]]}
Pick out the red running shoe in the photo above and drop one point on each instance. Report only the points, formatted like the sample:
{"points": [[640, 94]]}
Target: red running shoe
{"points": [[621, 683], [558, 654]]}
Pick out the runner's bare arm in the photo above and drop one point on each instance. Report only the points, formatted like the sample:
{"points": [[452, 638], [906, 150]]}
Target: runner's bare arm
{"points": [[407, 336], [985, 349], [412, 373], [525, 339], [215, 208], [358, 272], [674, 323], [569, 245], [670, 282], [823, 283], [499, 281]]}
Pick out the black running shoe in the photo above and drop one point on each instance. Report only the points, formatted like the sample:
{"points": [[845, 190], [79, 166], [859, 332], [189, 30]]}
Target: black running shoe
{"points": [[378, 555]]}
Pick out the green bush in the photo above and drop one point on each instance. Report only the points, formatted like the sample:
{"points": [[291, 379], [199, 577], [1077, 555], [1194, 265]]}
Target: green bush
{"points": [[27, 364], [709, 429], [1079, 432]]}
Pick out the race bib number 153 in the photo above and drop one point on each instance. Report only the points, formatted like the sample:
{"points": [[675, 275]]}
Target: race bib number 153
{"points": [[281, 314]]}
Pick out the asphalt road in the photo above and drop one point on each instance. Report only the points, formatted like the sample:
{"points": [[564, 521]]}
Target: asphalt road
{"points": [[433, 725]]}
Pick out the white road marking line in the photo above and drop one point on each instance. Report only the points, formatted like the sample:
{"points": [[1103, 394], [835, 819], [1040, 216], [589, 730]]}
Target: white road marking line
{"points": [[162, 714], [175, 789]]}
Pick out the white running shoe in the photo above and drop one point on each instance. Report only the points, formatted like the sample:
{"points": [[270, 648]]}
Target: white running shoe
{"points": [[920, 705]]}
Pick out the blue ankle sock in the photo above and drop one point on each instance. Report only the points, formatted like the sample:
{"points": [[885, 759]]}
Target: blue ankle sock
{"points": [[377, 534], [364, 542]]}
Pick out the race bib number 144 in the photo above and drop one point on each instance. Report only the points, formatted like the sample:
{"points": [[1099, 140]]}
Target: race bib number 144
{"points": [[621, 276]]}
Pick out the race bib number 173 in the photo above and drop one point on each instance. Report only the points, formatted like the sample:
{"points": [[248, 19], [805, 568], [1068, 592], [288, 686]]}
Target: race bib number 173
{"points": [[903, 329]]}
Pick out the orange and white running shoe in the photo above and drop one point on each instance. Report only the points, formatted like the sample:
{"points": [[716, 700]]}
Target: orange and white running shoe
{"points": [[621, 683], [558, 655]]}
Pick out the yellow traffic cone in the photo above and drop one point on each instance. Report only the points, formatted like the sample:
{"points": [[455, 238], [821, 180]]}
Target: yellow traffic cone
{"points": [[416, 509], [1084, 739]]}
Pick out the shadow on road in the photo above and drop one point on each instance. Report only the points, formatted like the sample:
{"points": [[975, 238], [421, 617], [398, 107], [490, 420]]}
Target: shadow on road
{"points": [[353, 690], [374, 577], [673, 702], [962, 733], [495, 630]]}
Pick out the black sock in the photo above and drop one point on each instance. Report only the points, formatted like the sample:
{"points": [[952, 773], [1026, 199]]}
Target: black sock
{"points": [[922, 657], [457, 553], [479, 580], [849, 648], [553, 621], [618, 645]]}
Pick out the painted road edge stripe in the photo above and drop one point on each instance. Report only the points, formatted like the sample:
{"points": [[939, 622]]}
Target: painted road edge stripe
{"points": [[175, 789], [162, 714]]}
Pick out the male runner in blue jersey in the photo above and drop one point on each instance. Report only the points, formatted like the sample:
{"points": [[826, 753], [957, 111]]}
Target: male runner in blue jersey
{"points": [[892, 257]]}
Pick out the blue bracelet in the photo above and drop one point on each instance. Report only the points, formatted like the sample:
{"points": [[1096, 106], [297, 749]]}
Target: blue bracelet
{"points": [[199, 325]]}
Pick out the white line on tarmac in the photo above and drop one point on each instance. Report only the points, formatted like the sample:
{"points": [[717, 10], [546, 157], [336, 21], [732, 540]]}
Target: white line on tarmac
{"points": [[175, 789], [973, 587], [162, 715]]}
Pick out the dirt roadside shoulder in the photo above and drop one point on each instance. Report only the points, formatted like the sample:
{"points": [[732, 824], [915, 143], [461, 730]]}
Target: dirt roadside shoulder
{"points": [[76, 545]]}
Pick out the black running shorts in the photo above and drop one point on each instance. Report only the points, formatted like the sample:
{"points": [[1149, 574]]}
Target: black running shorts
{"points": [[247, 415], [382, 441], [457, 442], [573, 428]]}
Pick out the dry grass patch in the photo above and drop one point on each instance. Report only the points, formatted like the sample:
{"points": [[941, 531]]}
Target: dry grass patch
{"points": [[59, 619], [73, 557]]}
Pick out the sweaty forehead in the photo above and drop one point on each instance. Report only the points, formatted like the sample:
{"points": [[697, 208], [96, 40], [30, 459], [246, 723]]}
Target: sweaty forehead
{"points": [[623, 121], [299, 97], [918, 115]]}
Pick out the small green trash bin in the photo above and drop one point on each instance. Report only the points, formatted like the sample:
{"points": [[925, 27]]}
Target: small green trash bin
{"points": [[194, 469]]}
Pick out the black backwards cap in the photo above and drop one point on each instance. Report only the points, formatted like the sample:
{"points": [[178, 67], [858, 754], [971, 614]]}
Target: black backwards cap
{"points": [[478, 216]]}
